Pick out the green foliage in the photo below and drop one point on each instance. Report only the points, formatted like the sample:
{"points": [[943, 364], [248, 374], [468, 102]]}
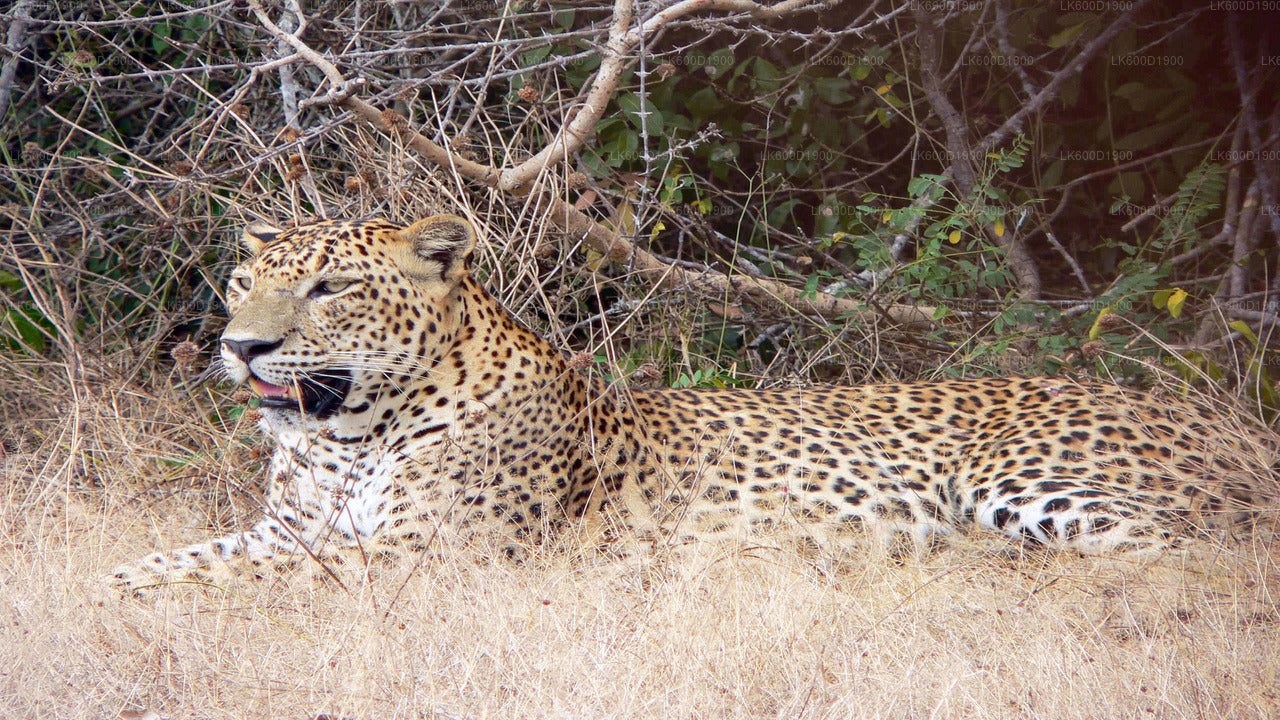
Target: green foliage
{"points": [[25, 330], [705, 378], [1198, 195], [955, 254]]}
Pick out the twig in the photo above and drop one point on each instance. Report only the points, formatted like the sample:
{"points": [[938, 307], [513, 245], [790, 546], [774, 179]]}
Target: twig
{"points": [[1075, 266], [1007, 50], [338, 84]]}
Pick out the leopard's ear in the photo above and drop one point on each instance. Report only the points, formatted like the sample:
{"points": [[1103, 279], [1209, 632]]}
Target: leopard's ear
{"points": [[257, 235], [443, 243]]}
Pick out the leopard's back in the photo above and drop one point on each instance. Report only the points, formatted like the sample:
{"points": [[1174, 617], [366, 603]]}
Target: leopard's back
{"points": [[1082, 466]]}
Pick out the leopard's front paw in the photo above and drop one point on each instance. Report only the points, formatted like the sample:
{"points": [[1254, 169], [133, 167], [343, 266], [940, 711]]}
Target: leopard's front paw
{"points": [[131, 580], [140, 578]]}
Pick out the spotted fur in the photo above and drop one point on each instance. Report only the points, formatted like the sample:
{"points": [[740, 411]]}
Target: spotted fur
{"points": [[411, 409]]}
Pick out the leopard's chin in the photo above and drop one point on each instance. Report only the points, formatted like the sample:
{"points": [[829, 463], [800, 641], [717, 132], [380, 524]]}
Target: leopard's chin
{"points": [[316, 394]]}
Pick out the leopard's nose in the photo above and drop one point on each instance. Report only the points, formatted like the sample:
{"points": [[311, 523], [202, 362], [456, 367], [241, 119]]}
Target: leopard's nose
{"points": [[247, 350]]}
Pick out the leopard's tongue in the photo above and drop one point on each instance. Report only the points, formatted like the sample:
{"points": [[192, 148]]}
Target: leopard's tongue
{"points": [[266, 389]]}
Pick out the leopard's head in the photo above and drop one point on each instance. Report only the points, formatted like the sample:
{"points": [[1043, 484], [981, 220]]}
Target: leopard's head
{"points": [[322, 313]]}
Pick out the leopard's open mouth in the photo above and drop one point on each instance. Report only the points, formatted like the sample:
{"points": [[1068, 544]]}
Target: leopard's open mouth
{"points": [[314, 394]]}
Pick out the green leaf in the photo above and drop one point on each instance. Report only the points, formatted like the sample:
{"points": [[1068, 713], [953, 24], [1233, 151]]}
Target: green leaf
{"points": [[1136, 93], [833, 90], [724, 152], [1148, 137], [1062, 37], [1096, 330], [1243, 328], [703, 103], [1053, 174], [779, 214], [79, 60], [927, 183], [719, 61], [160, 35], [9, 281], [196, 24], [534, 56], [1266, 390], [594, 165], [26, 321], [766, 71], [1176, 301], [630, 105], [768, 78], [1131, 184]]}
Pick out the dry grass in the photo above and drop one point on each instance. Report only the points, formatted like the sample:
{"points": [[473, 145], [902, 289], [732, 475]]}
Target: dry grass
{"points": [[729, 633]]}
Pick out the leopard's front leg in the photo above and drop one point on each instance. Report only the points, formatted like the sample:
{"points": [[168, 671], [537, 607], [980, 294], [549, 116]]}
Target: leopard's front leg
{"points": [[306, 515], [272, 543]]}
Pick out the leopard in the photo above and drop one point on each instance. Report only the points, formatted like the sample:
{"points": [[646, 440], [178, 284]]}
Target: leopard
{"points": [[410, 410]]}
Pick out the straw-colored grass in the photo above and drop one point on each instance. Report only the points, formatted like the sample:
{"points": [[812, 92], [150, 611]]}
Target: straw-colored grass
{"points": [[726, 632]]}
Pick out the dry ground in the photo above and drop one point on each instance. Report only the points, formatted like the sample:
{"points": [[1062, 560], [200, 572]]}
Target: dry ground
{"points": [[97, 480]]}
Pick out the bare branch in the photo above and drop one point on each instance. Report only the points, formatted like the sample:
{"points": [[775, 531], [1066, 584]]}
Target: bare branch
{"points": [[1006, 49], [645, 264], [293, 24], [331, 72], [1075, 266]]}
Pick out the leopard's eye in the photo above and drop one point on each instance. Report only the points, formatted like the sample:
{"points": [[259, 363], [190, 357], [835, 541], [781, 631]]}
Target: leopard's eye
{"points": [[243, 283], [329, 287]]}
